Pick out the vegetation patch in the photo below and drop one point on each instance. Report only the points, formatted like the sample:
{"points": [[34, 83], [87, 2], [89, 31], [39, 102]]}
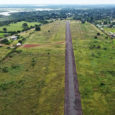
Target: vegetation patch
{"points": [[95, 68], [33, 80]]}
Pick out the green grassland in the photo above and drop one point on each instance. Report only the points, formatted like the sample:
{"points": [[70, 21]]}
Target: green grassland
{"points": [[17, 26], [4, 51], [50, 37], [14, 27], [107, 29], [32, 79], [95, 60], [1, 35]]}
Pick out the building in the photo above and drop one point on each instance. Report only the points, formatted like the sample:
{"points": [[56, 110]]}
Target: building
{"points": [[14, 37], [112, 34], [18, 44]]}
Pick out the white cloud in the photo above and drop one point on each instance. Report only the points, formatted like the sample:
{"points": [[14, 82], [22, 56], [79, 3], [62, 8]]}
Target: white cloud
{"points": [[57, 1]]}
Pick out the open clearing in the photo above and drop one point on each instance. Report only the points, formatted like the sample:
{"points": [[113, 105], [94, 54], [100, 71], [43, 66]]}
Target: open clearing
{"points": [[17, 26], [32, 80], [95, 68], [108, 30], [1, 35], [37, 45], [4, 51]]}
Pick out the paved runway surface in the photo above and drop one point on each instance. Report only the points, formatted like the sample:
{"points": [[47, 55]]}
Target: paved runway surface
{"points": [[72, 95]]}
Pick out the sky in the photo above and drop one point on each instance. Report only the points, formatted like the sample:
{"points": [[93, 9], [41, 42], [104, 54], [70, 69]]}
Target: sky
{"points": [[39, 2]]}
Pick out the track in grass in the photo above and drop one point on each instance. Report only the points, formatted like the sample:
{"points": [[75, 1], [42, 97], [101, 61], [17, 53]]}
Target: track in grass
{"points": [[72, 95], [36, 45], [30, 45]]}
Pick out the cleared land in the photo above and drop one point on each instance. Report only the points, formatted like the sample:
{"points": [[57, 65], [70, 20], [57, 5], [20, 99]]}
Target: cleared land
{"points": [[1, 35], [32, 79], [107, 29], [4, 51], [17, 26], [14, 27], [95, 68]]}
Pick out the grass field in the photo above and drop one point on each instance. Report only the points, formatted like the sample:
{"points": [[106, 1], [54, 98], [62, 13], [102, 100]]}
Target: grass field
{"points": [[1, 35], [95, 60], [32, 79], [17, 26], [109, 30], [4, 51]]}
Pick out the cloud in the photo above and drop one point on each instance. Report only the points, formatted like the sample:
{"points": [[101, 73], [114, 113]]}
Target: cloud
{"points": [[57, 1]]}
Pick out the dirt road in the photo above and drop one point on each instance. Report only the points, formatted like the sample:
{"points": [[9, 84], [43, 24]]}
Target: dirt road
{"points": [[72, 95]]}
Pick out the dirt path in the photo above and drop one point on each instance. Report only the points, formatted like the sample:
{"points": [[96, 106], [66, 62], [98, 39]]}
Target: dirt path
{"points": [[72, 95], [45, 44]]}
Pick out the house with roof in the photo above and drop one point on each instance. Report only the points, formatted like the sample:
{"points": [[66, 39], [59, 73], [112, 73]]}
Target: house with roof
{"points": [[12, 37]]}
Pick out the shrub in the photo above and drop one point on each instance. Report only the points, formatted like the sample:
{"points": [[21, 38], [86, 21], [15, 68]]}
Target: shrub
{"points": [[98, 34], [106, 37], [25, 26], [98, 47], [105, 48], [18, 51], [6, 85], [33, 61], [18, 31], [91, 46], [20, 41], [95, 37], [102, 84], [5, 69], [5, 30], [14, 66], [5, 41], [37, 28]]}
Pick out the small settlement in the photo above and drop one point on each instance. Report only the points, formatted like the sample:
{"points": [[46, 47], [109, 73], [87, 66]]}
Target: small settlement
{"points": [[110, 33], [4, 41]]}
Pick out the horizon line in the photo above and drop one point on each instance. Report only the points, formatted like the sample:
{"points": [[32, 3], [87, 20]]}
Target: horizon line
{"points": [[61, 4]]}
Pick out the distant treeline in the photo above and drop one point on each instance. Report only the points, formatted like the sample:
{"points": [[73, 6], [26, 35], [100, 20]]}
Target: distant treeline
{"points": [[90, 15]]}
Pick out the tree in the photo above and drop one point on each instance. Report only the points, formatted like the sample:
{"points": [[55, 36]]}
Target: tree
{"points": [[98, 34], [95, 37], [20, 41], [105, 22], [113, 23], [25, 26], [5, 41], [83, 21], [5, 30], [37, 28]]}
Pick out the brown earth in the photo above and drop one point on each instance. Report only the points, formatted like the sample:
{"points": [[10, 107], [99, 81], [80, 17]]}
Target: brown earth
{"points": [[36, 45]]}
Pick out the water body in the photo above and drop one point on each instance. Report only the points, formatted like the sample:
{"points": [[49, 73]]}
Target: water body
{"points": [[7, 13]]}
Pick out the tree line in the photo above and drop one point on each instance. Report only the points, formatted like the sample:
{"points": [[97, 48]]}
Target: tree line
{"points": [[90, 15]]}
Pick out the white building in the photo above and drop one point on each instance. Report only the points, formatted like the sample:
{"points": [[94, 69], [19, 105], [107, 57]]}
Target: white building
{"points": [[18, 44], [14, 37]]}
